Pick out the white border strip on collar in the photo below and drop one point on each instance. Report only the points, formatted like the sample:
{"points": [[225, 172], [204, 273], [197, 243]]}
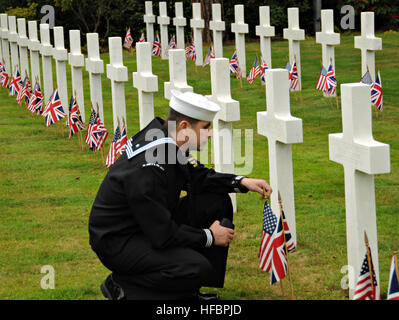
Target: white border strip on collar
{"points": [[129, 148]]}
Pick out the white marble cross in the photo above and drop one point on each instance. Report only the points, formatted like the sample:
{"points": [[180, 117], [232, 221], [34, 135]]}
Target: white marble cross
{"points": [[368, 43], [77, 62], [197, 24], [282, 130], [223, 145], [5, 48], [177, 73], [34, 48], [328, 39], [13, 39], [163, 21], [23, 43], [117, 73], [145, 82], [265, 32], [217, 26], [46, 51], [60, 55], [179, 22], [1, 45], [362, 158], [95, 67], [293, 34], [240, 29], [149, 20]]}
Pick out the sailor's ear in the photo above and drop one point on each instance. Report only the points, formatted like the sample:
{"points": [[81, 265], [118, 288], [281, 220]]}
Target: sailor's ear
{"points": [[184, 124]]}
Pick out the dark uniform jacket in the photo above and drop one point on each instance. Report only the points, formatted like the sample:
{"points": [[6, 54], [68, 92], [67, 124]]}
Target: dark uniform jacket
{"points": [[138, 197]]}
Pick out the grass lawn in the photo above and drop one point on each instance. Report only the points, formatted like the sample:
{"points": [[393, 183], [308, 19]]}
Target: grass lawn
{"points": [[47, 184]]}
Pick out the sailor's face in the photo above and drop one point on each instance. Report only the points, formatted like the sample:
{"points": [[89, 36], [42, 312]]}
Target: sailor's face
{"points": [[203, 132]]}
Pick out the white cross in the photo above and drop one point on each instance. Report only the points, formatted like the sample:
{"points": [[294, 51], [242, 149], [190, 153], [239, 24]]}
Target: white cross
{"points": [[163, 21], [23, 43], [117, 73], [282, 130], [1, 44], [34, 48], [294, 35], [179, 22], [149, 20], [13, 39], [362, 158], [177, 73], [46, 51], [197, 24], [5, 51], [240, 29], [217, 26], [145, 82], [328, 39], [77, 62], [60, 55], [368, 43], [95, 68], [265, 32], [222, 124]]}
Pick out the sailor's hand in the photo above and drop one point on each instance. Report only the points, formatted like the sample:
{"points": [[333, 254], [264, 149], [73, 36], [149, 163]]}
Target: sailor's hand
{"points": [[257, 185], [222, 235]]}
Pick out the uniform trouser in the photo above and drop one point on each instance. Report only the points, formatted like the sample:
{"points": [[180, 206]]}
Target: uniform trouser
{"points": [[178, 271]]}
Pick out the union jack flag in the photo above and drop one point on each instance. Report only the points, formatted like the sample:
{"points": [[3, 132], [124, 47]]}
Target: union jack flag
{"points": [[54, 110], [36, 100], [393, 288], [272, 253], [92, 122], [156, 46], [254, 72], [25, 91], [210, 55], [111, 157], [4, 77], [293, 76], [74, 120], [263, 68], [122, 141], [363, 288], [322, 81], [234, 63], [172, 45], [21, 93], [127, 43], [142, 38], [15, 84], [190, 52], [376, 93], [98, 135], [331, 80]]}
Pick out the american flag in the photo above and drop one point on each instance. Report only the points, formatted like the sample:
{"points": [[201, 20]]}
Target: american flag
{"points": [[74, 121], [376, 93], [190, 52], [331, 80], [393, 288], [363, 288], [127, 43], [92, 122], [210, 55], [172, 45], [27, 90], [99, 134], [21, 92], [254, 72], [16, 82], [322, 81], [293, 76], [234, 63], [111, 157], [142, 38], [4, 77], [263, 68], [54, 110], [272, 253], [36, 100], [122, 141], [156, 46]]}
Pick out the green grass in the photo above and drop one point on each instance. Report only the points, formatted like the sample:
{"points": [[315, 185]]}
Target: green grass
{"points": [[47, 185]]}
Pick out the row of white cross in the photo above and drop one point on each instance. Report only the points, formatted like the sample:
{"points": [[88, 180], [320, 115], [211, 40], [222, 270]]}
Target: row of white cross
{"points": [[355, 148], [367, 42]]}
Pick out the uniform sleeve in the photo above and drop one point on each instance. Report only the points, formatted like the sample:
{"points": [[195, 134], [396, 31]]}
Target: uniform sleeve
{"points": [[147, 197], [205, 179]]}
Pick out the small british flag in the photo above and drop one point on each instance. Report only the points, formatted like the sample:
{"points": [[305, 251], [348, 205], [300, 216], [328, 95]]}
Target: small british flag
{"points": [[376, 93], [54, 110], [156, 46]]}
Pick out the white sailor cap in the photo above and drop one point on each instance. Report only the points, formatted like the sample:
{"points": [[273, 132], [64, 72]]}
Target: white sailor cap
{"points": [[193, 105]]}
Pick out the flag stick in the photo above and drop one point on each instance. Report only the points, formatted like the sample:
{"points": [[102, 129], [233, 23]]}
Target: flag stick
{"points": [[336, 100], [395, 252], [282, 288], [366, 240], [285, 246]]}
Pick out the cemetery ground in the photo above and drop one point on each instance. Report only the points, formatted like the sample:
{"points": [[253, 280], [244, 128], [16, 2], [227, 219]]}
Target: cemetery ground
{"points": [[48, 184]]}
